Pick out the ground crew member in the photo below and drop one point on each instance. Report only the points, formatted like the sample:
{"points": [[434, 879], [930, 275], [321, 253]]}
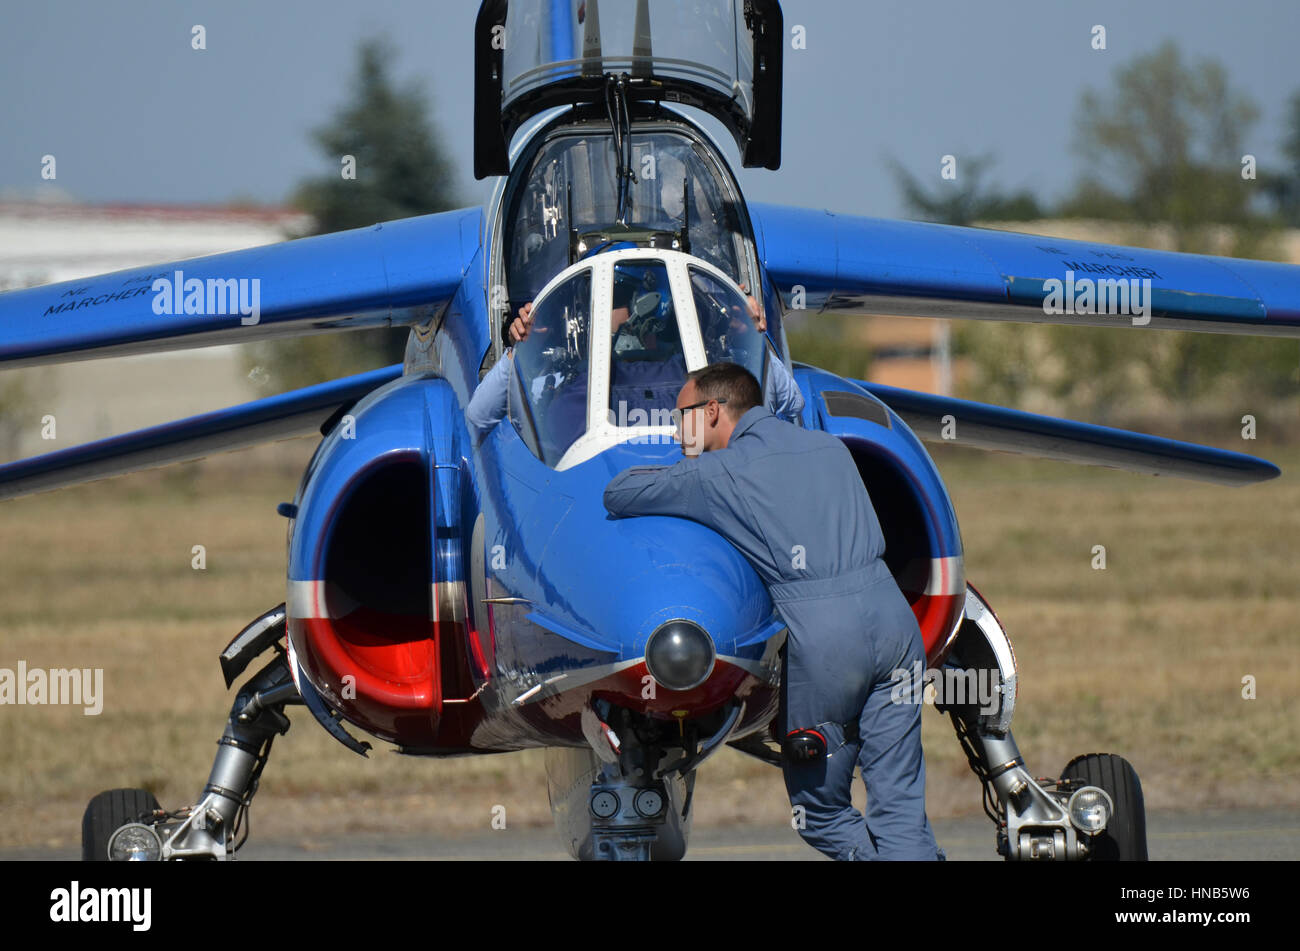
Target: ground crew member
{"points": [[792, 501]]}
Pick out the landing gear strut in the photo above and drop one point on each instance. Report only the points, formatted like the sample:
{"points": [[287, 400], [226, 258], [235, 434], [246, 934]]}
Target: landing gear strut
{"points": [[128, 825], [1094, 812]]}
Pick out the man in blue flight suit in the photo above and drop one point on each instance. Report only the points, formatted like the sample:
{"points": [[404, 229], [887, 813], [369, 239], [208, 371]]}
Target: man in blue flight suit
{"points": [[792, 501]]}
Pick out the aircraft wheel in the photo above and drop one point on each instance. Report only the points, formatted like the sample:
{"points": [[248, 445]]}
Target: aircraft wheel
{"points": [[1125, 837], [106, 813]]}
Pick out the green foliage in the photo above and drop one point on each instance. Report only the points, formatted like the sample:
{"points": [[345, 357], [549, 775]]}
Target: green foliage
{"points": [[965, 199], [1107, 374], [400, 171], [1284, 187], [1187, 366], [1167, 143], [1046, 368], [825, 341], [21, 393]]}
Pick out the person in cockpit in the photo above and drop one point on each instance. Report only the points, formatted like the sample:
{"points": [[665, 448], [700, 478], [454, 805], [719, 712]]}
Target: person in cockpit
{"points": [[727, 332]]}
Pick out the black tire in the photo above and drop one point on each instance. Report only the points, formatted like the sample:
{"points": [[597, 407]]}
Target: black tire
{"points": [[1125, 838], [106, 813]]}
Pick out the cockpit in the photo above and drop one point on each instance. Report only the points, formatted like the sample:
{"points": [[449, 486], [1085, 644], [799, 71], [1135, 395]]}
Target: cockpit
{"points": [[612, 340], [568, 206]]}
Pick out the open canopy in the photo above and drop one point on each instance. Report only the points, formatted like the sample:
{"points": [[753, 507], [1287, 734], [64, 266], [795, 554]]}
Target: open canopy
{"points": [[722, 56]]}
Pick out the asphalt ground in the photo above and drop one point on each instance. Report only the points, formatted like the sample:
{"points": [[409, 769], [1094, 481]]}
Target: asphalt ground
{"points": [[1171, 836]]}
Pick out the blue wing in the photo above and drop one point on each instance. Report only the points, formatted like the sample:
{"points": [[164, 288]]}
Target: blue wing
{"points": [[874, 266], [296, 413], [392, 274], [954, 422]]}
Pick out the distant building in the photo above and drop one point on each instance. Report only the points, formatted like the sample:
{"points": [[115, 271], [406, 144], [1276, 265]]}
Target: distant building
{"points": [[43, 242]]}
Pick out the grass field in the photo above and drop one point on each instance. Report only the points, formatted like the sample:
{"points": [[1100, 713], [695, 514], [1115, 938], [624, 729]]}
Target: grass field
{"points": [[1145, 658]]}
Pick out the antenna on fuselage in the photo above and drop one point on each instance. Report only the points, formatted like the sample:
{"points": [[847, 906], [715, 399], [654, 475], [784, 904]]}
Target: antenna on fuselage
{"points": [[688, 194], [642, 51], [592, 55], [620, 122], [573, 225]]}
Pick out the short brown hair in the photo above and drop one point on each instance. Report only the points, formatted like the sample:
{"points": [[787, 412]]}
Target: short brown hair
{"points": [[730, 382]]}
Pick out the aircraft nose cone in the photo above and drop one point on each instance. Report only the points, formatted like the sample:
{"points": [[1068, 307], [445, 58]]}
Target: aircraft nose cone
{"points": [[679, 587], [680, 655], [618, 581]]}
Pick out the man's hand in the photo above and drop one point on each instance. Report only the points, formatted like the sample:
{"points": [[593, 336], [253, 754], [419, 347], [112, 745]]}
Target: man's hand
{"points": [[759, 321], [520, 326]]}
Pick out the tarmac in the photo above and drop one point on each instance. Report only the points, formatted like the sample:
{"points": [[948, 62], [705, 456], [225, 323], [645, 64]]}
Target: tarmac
{"points": [[1172, 836]]}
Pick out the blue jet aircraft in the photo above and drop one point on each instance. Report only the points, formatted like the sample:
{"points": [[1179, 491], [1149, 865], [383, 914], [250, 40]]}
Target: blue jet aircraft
{"points": [[458, 592]]}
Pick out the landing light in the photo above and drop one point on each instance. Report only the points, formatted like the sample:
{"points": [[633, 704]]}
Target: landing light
{"points": [[1090, 809], [134, 842], [679, 655]]}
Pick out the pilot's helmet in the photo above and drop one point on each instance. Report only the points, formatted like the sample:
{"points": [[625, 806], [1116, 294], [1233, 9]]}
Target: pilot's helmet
{"points": [[607, 246]]}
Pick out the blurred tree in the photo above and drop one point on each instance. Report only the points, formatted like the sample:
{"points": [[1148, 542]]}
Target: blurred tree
{"points": [[1284, 187], [400, 171], [22, 394], [1165, 146], [1169, 142], [829, 341], [1001, 354], [965, 199], [1049, 369]]}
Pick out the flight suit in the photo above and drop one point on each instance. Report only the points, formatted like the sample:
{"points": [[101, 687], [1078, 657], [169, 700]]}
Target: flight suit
{"points": [[792, 501]]}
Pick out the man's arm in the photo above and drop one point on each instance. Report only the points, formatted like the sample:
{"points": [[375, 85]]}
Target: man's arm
{"points": [[783, 396], [487, 406], [658, 490]]}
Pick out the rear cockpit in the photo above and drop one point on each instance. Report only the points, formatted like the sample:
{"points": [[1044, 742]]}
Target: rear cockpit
{"points": [[565, 204]]}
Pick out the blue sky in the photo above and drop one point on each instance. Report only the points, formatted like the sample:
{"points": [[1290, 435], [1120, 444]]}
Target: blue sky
{"points": [[132, 113]]}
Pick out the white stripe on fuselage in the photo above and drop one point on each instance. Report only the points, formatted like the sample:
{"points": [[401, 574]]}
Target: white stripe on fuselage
{"points": [[946, 576], [306, 599]]}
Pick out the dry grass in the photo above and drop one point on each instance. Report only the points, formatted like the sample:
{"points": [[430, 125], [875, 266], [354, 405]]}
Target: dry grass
{"points": [[1145, 658]]}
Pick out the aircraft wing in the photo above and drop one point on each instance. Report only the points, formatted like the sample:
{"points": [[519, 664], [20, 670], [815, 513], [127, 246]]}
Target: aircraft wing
{"points": [[295, 413], [984, 426], [391, 274], [859, 265]]}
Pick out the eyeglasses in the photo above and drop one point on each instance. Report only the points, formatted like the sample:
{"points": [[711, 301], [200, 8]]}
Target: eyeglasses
{"points": [[678, 414]]}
